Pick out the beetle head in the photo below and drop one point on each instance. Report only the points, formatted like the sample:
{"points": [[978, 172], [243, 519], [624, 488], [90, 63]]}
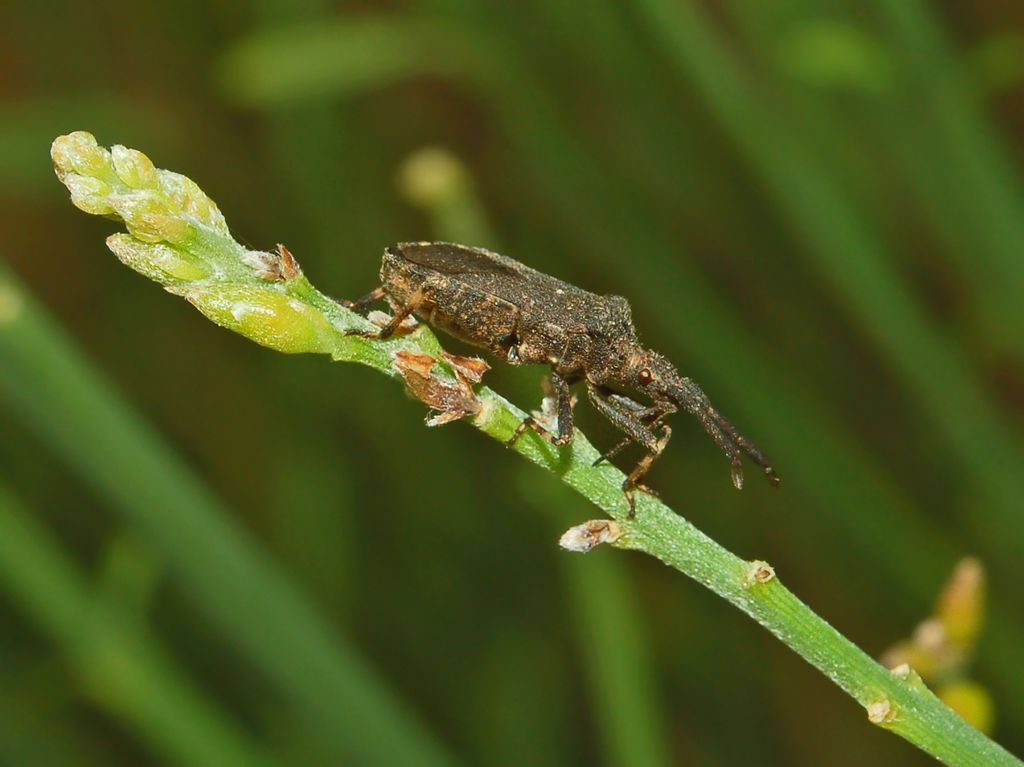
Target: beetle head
{"points": [[650, 373], [653, 375]]}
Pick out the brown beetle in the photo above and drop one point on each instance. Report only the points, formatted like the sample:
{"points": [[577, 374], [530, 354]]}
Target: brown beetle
{"points": [[526, 317]]}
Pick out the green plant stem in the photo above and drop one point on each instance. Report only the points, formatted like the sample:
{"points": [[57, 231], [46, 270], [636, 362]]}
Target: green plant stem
{"points": [[919, 716], [271, 302], [914, 712]]}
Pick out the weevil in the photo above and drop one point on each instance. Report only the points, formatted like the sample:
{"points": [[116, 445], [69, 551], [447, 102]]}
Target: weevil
{"points": [[529, 318]]}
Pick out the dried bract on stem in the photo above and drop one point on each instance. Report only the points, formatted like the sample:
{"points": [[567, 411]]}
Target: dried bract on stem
{"points": [[451, 399], [274, 267], [469, 369]]}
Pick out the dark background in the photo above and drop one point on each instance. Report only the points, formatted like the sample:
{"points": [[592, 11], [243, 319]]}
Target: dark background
{"points": [[816, 211]]}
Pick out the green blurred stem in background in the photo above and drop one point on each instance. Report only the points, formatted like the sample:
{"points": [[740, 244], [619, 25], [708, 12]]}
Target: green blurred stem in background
{"points": [[179, 238], [242, 592], [120, 665]]}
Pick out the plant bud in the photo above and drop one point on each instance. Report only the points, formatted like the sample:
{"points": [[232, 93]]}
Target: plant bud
{"points": [[961, 607], [79, 153], [158, 261], [133, 167], [186, 195], [151, 216], [266, 316], [432, 176], [89, 194]]}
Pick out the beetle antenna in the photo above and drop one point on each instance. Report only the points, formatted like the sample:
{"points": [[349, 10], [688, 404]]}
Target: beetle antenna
{"points": [[725, 435], [746, 446]]}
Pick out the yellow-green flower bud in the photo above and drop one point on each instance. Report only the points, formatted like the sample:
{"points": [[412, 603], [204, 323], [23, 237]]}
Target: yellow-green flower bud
{"points": [[158, 261], [79, 153], [89, 194], [186, 194], [151, 216], [11, 303], [156, 205], [133, 167], [266, 316], [961, 607]]}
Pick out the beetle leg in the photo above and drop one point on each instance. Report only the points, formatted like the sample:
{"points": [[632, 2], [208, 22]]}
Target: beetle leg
{"points": [[400, 313], [649, 415], [633, 481], [560, 389], [623, 417], [627, 419], [630, 404], [361, 303]]}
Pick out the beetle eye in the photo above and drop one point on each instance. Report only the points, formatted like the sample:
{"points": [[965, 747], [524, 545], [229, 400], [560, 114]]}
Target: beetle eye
{"points": [[645, 376]]}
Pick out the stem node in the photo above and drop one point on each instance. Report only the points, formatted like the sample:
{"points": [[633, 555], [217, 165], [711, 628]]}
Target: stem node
{"points": [[590, 535], [881, 712], [759, 572]]}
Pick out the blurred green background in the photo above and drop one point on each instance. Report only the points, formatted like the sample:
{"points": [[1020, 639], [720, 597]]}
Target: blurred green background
{"points": [[211, 554]]}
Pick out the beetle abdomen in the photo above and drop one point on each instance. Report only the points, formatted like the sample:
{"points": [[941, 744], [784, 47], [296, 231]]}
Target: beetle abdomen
{"points": [[460, 309]]}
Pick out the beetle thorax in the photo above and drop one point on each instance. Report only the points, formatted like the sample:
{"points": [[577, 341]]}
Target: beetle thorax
{"points": [[611, 361]]}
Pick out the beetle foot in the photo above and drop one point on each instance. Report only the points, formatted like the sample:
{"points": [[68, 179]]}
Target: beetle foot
{"points": [[631, 500], [629, 490], [376, 335], [402, 323], [364, 301], [516, 434], [558, 440]]}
